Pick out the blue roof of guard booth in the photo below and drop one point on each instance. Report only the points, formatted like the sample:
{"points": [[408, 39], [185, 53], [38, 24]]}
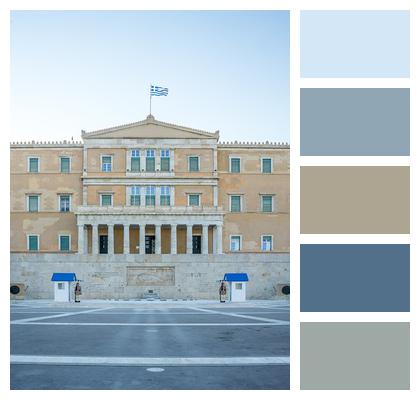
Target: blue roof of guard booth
{"points": [[63, 277], [240, 277]]}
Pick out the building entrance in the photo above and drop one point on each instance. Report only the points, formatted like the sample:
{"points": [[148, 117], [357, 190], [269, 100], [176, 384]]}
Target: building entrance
{"points": [[150, 244], [196, 244], [103, 244]]}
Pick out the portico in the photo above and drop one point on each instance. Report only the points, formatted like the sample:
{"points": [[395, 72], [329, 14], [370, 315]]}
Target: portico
{"points": [[169, 232]]}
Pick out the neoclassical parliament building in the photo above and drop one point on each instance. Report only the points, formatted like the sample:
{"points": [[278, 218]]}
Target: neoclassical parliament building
{"points": [[150, 208]]}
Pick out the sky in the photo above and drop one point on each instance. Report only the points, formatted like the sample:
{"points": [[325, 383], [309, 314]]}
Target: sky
{"points": [[225, 70]]}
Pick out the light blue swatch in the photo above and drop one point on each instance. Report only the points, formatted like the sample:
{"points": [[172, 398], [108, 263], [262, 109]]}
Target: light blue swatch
{"points": [[355, 44]]}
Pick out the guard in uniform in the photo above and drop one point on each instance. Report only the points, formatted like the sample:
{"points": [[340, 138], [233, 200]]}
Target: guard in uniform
{"points": [[77, 292], [222, 292]]}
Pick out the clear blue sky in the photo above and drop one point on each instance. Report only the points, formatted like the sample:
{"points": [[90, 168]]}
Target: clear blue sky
{"points": [[92, 69]]}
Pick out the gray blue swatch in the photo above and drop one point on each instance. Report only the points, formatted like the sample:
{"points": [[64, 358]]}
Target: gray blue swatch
{"points": [[355, 122], [355, 277], [355, 44]]}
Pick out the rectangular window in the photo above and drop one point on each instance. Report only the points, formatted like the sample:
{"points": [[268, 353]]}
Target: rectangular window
{"points": [[135, 196], [150, 160], [165, 196], [106, 199], [64, 203], [267, 203], [33, 203], [267, 243], [135, 160], [33, 164], [150, 195], [165, 160], [106, 163], [235, 164], [266, 167], [235, 203], [193, 199], [64, 242], [235, 243], [193, 164], [238, 285], [33, 243], [65, 164], [60, 286]]}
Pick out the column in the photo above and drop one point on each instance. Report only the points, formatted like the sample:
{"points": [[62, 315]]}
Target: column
{"points": [[86, 250], [95, 243], [173, 239], [111, 239], [81, 239], [205, 239], [215, 196], [158, 249], [219, 234], [189, 239], [142, 234], [126, 239]]}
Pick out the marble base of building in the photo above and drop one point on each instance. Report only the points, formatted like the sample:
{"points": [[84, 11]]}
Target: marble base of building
{"points": [[163, 276]]}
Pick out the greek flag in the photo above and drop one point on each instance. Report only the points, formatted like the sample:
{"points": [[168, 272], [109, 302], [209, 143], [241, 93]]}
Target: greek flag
{"points": [[158, 91]]}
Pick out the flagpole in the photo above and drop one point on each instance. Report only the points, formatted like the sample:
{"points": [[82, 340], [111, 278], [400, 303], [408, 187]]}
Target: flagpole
{"points": [[150, 108]]}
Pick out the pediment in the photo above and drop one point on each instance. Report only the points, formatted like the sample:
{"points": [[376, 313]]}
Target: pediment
{"points": [[150, 128]]}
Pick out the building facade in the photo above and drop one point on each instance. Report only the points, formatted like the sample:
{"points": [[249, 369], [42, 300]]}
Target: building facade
{"points": [[150, 208]]}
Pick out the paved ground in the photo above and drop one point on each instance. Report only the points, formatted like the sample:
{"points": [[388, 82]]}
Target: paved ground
{"points": [[132, 345]]}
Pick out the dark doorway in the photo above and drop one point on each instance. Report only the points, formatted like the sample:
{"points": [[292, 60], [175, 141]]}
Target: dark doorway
{"points": [[103, 244], [196, 244], [150, 244]]}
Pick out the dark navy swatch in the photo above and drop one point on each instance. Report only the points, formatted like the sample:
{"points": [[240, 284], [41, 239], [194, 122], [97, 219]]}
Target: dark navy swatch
{"points": [[354, 277]]}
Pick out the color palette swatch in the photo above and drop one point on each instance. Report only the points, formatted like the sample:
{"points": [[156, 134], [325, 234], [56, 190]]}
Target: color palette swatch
{"points": [[355, 122], [355, 278], [355, 44], [356, 199], [349, 205], [355, 355]]}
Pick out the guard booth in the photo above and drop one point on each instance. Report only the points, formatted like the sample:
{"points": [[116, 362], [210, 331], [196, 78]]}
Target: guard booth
{"points": [[237, 286], [62, 285]]}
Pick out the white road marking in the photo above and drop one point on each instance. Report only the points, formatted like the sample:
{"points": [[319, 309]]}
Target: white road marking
{"points": [[235, 315], [278, 322], [25, 320], [141, 361]]}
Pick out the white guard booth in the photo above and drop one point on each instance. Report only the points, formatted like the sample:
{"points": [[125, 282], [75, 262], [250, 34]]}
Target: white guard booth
{"points": [[62, 285], [237, 286]]}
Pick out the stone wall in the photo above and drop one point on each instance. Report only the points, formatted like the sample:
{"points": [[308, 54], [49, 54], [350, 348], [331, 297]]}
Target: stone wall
{"points": [[132, 276]]}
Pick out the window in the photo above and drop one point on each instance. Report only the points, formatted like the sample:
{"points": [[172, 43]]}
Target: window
{"points": [[33, 164], [150, 195], [193, 164], [64, 242], [135, 160], [60, 286], [64, 203], [135, 196], [238, 285], [33, 242], [266, 165], [106, 163], [235, 243], [150, 160], [65, 164], [235, 164], [33, 203], [235, 203], [266, 243], [165, 196], [106, 199], [267, 203], [164, 160], [193, 199]]}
